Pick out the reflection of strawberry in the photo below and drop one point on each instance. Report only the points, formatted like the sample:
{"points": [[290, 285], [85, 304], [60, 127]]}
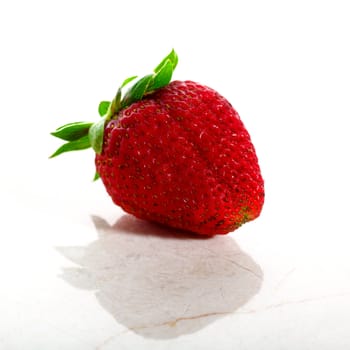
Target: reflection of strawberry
{"points": [[187, 283], [176, 153]]}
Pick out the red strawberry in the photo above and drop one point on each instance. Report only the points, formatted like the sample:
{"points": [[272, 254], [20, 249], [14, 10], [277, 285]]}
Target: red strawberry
{"points": [[175, 153]]}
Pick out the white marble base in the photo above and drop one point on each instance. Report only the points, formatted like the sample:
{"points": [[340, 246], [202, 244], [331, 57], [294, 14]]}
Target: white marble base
{"points": [[73, 280]]}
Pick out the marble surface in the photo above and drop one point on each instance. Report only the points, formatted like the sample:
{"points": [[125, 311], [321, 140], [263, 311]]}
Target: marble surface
{"points": [[77, 277], [78, 273]]}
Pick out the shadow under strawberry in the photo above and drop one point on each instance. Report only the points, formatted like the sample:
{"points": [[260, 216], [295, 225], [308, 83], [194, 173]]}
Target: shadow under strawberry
{"points": [[160, 283]]}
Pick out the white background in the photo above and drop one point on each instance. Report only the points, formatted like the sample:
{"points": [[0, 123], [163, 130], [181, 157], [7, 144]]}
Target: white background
{"points": [[284, 65]]}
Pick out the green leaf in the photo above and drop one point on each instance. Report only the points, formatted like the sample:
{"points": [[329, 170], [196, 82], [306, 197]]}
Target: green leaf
{"points": [[82, 143], [72, 131], [116, 103], [128, 80], [96, 136], [114, 107], [137, 91], [163, 75], [172, 56], [97, 176], [103, 108]]}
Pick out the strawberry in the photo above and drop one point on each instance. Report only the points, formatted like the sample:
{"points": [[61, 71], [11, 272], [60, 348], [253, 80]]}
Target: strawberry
{"points": [[176, 153]]}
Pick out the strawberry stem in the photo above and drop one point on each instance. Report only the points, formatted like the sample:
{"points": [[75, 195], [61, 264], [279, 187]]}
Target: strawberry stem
{"points": [[84, 135]]}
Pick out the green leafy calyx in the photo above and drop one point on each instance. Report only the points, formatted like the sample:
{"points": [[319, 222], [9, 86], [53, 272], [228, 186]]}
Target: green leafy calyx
{"points": [[83, 135]]}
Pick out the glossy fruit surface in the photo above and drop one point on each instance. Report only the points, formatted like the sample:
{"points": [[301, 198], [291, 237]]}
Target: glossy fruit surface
{"points": [[176, 153], [182, 157]]}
